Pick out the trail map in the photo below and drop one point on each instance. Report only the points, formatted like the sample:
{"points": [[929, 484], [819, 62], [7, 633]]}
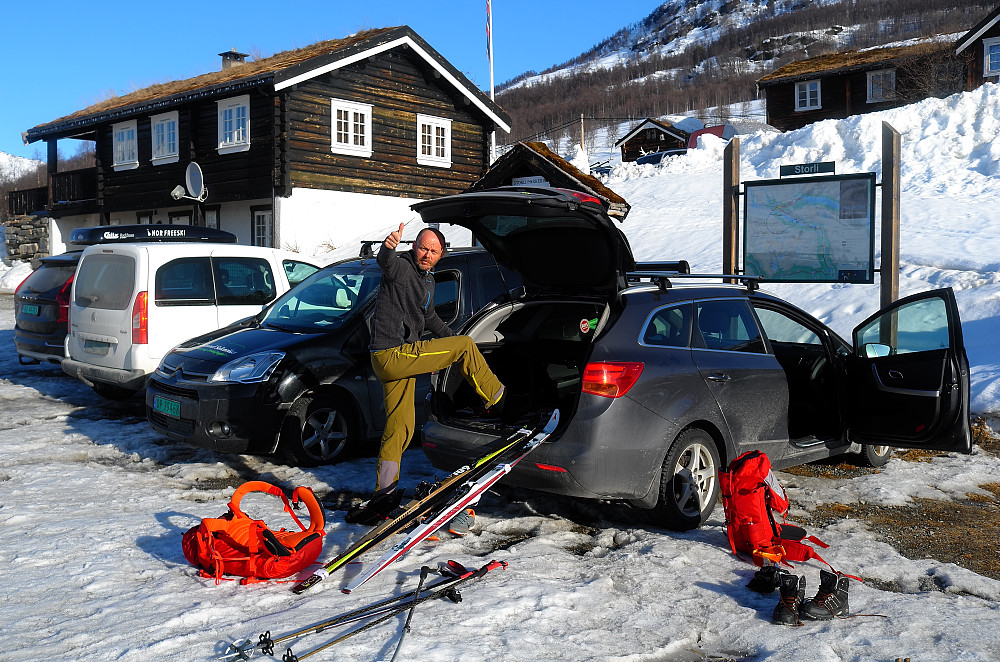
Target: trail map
{"points": [[810, 230]]}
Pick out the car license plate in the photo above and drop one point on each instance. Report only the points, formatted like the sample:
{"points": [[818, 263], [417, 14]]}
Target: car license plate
{"points": [[96, 347], [29, 309], [167, 406]]}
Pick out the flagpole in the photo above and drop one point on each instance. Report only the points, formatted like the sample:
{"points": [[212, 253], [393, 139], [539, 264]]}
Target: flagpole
{"points": [[489, 54]]}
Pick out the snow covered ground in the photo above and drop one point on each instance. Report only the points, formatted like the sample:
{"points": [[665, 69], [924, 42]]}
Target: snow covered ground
{"points": [[93, 503]]}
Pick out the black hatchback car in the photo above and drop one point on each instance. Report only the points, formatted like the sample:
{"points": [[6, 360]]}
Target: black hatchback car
{"points": [[41, 309], [660, 384], [296, 378]]}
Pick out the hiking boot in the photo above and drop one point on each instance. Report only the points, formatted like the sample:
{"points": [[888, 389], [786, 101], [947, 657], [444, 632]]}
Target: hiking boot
{"points": [[765, 580], [793, 592], [830, 600], [375, 509]]}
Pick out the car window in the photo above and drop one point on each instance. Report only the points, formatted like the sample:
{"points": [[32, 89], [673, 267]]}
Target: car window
{"points": [[324, 301], [242, 281], [728, 324], [781, 328], [296, 272], [915, 327], [669, 327], [446, 289], [105, 281], [47, 277], [183, 282]]}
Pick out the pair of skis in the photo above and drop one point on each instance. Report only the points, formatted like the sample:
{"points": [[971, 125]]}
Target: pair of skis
{"points": [[448, 498], [454, 573]]}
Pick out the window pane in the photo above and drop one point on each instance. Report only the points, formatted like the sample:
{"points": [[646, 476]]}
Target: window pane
{"points": [[186, 279], [728, 325], [915, 327], [242, 281], [105, 281], [669, 327], [782, 328]]}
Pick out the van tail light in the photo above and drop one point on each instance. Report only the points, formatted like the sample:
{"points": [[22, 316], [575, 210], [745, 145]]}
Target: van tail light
{"points": [[140, 319], [610, 379], [62, 300]]}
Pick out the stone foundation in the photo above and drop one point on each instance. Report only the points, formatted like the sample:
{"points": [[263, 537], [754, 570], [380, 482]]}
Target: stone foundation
{"points": [[27, 237]]}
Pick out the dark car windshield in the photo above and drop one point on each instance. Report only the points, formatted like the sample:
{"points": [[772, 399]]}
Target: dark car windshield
{"points": [[325, 300]]}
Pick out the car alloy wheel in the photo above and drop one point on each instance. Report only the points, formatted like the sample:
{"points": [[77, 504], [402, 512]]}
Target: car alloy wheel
{"points": [[318, 430], [875, 456], [689, 485]]}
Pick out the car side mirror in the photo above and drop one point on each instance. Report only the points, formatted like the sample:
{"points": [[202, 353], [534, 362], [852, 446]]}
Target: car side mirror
{"points": [[875, 350]]}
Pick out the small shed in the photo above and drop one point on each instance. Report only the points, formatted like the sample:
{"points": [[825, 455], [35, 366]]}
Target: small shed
{"points": [[534, 164], [652, 135]]}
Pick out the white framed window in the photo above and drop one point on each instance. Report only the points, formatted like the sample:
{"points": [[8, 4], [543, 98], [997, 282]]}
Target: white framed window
{"points": [[881, 85], [991, 56], [163, 132], [126, 150], [262, 226], [807, 95], [351, 128], [234, 124], [433, 141]]}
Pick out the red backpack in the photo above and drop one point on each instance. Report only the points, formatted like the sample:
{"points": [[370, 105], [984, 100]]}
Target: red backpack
{"points": [[750, 496], [235, 544]]}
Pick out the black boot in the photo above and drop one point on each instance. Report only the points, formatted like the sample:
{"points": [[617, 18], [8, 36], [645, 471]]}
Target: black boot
{"points": [[765, 580], [793, 592], [375, 509], [830, 600]]}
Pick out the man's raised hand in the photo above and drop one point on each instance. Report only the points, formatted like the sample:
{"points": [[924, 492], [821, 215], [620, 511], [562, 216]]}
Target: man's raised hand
{"points": [[394, 237]]}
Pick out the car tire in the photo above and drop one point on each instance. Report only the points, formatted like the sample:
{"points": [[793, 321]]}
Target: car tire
{"points": [[875, 456], [689, 483], [319, 430], [112, 391]]}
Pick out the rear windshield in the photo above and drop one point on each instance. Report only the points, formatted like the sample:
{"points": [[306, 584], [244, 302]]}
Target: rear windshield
{"points": [[47, 278], [325, 300], [105, 281]]}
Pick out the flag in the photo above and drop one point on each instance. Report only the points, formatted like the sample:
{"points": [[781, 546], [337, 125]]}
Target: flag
{"points": [[489, 31]]}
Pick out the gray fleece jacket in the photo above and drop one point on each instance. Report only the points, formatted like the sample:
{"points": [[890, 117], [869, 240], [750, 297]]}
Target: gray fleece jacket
{"points": [[405, 305]]}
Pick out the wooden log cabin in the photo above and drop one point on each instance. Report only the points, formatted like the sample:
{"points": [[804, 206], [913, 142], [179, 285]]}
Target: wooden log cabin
{"points": [[290, 146]]}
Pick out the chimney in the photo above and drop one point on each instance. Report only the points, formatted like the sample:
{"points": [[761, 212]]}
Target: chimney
{"points": [[232, 58]]}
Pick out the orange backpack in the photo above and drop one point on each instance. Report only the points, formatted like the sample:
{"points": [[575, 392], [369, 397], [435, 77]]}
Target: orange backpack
{"points": [[750, 496], [235, 544]]}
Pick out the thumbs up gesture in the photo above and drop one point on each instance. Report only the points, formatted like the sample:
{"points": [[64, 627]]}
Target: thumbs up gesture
{"points": [[393, 239]]}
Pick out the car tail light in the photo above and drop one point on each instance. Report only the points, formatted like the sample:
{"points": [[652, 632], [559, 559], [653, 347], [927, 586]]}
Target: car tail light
{"points": [[583, 197], [140, 319], [62, 300], [610, 379], [550, 467]]}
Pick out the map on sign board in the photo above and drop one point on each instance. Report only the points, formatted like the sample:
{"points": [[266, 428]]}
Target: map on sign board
{"points": [[815, 229]]}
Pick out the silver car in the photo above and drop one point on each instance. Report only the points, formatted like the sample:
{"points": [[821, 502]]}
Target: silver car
{"points": [[660, 383]]}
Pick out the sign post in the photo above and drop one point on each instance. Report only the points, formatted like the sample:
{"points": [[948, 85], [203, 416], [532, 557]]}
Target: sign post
{"points": [[730, 205], [889, 268]]}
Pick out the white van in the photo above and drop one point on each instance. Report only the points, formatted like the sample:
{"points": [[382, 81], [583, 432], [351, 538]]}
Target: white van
{"points": [[140, 290]]}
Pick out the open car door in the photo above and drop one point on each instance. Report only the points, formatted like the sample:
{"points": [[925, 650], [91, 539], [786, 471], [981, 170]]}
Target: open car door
{"points": [[909, 376]]}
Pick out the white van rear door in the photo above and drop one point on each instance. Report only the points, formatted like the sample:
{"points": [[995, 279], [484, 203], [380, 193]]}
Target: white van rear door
{"points": [[101, 310], [182, 304]]}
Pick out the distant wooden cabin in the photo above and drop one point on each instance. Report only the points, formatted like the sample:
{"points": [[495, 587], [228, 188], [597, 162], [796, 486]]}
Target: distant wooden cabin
{"points": [[839, 85], [534, 164], [980, 47], [652, 135], [291, 146]]}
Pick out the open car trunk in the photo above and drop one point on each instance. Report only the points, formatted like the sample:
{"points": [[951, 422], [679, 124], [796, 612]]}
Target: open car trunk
{"points": [[538, 350]]}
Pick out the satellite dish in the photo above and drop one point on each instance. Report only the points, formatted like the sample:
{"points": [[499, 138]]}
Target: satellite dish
{"points": [[195, 182]]}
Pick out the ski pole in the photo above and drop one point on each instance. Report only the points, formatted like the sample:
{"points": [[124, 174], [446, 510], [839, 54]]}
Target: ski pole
{"points": [[409, 617], [448, 591], [453, 571]]}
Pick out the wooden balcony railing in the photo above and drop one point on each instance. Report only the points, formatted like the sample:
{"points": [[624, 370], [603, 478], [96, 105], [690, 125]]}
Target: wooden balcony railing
{"points": [[69, 190]]}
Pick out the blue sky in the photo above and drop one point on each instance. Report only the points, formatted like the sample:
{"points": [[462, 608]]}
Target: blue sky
{"points": [[63, 56]]}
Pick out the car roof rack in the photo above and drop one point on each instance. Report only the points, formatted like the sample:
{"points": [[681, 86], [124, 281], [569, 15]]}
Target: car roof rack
{"points": [[663, 278], [120, 234]]}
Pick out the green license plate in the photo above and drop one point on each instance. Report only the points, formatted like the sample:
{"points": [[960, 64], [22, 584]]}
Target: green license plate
{"points": [[29, 309], [166, 406]]}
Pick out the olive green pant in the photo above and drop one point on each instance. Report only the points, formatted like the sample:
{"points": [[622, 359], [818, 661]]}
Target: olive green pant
{"points": [[398, 368]]}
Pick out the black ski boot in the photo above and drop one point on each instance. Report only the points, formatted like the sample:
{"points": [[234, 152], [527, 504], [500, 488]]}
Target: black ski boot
{"points": [[793, 592], [830, 600], [765, 580], [375, 509]]}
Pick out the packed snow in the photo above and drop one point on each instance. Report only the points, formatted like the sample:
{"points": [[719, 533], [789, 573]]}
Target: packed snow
{"points": [[94, 503]]}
